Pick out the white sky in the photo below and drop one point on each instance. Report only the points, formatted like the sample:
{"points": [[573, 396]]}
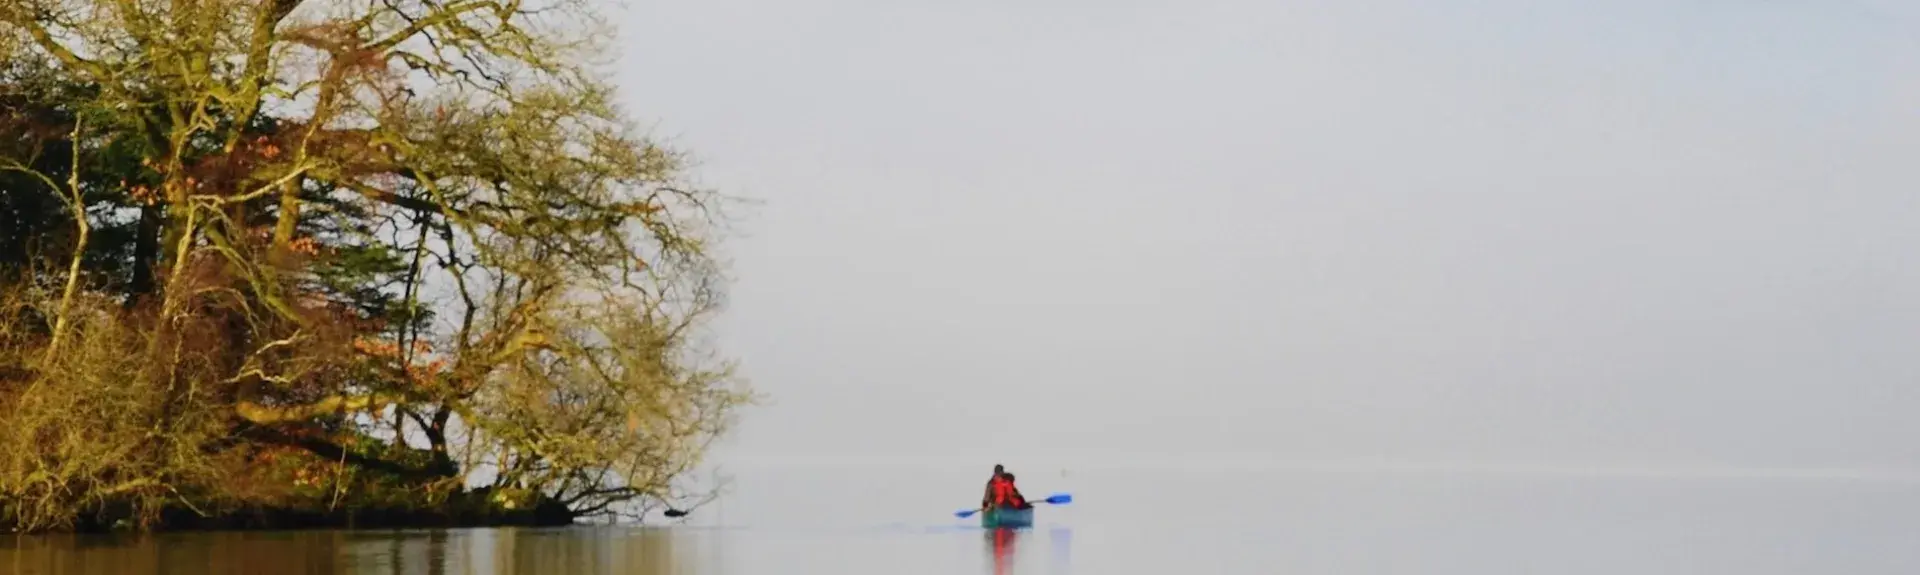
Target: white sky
{"points": [[1636, 233]]}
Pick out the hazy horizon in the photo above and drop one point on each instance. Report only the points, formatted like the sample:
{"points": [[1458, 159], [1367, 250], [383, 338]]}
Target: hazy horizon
{"points": [[1634, 235]]}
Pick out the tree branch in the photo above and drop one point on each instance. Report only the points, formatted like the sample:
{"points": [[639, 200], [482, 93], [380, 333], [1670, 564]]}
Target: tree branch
{"points": [[46, 41], [331, 405], [444, 16], [334, 452]]}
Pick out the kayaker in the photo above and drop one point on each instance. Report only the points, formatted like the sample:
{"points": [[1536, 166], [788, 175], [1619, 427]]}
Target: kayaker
{"points": [[1006, 495], [986, 501]]}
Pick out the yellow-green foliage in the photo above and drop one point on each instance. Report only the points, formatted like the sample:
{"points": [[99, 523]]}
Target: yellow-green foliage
{"points": [[248, 244]]}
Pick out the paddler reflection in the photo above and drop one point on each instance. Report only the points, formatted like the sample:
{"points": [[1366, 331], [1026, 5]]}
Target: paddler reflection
{"points": [[1002, 541]]}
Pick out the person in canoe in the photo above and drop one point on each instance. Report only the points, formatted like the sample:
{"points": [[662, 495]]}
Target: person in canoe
{"points": [[1003, 494], [986, 501]]}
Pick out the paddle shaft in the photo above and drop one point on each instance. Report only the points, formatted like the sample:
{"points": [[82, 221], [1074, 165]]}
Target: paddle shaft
{"points": [[1055, 499]]}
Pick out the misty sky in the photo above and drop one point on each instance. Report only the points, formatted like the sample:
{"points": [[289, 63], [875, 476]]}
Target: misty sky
{"points": [[1634, 233]]}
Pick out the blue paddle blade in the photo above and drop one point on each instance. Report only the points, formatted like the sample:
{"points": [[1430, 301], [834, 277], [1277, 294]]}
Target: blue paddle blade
{"points": [[1060, 498], [963, 514]]}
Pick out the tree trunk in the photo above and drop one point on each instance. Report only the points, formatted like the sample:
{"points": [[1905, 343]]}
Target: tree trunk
{"points": [[146, 249]]}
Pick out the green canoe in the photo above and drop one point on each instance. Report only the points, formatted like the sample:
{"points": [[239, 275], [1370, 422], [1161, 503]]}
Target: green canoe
{"points": [[996, 518]]}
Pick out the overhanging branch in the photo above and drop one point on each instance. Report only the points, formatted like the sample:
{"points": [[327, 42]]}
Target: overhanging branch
{"points": [[331, 451]]}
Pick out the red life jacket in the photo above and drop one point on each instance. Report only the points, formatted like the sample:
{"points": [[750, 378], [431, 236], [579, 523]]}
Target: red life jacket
{"points": [[1004, 494]]}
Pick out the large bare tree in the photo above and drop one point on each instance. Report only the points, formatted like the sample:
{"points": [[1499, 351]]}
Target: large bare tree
{"points": [[384, 250]]}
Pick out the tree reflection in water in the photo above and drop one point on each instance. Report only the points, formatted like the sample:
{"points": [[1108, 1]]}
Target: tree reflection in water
{"points": [[415, 552]]}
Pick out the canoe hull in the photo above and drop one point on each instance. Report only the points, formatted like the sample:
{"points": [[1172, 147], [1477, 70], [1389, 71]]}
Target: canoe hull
{"points": [[997, 518]]}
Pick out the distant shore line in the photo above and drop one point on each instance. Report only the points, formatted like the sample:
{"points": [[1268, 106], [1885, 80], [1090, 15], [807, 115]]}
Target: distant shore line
{"points": [[463, 512]]}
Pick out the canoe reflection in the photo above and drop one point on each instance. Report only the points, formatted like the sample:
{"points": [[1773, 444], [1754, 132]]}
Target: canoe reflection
{"points": [[1001, 542]]}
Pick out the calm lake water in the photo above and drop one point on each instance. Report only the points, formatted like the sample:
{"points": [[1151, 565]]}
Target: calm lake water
{"points": [[876, 521]]}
